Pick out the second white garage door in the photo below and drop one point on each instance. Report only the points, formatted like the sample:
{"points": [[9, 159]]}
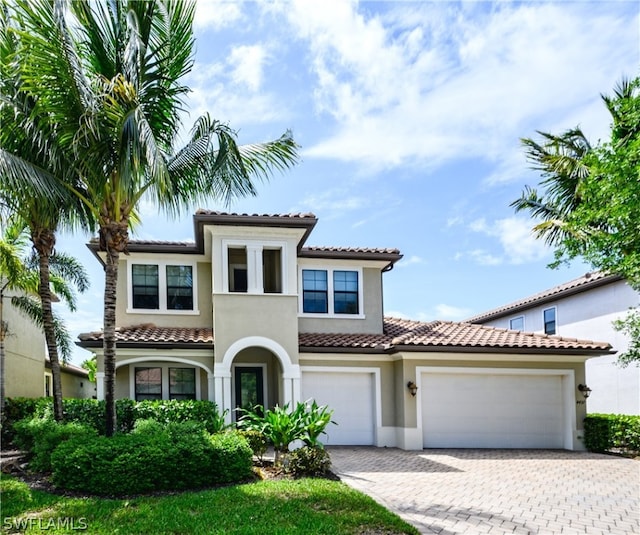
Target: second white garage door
{"points": [[351, 396], [484, 410]]}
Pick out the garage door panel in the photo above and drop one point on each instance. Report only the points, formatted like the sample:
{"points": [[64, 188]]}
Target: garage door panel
{"points": [[351, 397], [492, 411]]}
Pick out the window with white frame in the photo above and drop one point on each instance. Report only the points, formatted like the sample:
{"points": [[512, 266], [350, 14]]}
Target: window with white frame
{"points": [[254, 267], [517, 323], [331, 291], [549, 318], [165, 287]]}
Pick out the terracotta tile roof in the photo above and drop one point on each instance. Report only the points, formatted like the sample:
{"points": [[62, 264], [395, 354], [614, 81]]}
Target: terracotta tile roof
{"points": [[202, 211], [349, 250], [417, 335], [399, 334], [581, 284], [148, 333]]}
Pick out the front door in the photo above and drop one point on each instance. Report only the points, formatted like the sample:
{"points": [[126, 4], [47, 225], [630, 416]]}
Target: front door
{"points": [[249, 386]]}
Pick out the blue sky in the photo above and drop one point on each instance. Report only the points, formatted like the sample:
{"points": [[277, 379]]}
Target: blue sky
{"points": [[409, 115]]}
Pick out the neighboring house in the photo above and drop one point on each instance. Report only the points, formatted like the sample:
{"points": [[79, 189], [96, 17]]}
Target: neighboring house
{"points": [[248, 314], [583, 308], [27, 367]]}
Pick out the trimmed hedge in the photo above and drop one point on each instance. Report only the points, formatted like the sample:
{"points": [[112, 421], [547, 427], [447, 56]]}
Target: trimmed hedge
{"points": [[153, 457], [91, 412], [308, 461], [607, 432], [41, 437]]}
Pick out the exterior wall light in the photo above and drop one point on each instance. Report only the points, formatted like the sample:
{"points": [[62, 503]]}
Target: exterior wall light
{"points": [[585, 390], [413, 388]]}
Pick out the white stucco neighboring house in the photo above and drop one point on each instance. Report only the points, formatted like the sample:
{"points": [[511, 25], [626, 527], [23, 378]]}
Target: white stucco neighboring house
{"points": [[583, 308]]}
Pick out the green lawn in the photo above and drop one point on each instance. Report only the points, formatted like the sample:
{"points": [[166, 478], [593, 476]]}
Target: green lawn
{"points": [[312, 506]]}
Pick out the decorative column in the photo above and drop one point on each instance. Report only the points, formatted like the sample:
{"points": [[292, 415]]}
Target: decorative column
{"points": [[100, 385]]}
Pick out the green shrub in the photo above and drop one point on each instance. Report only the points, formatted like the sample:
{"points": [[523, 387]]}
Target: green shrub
{"points": [[16, 409], [41, 437], [256, 440], [308, 461], [607, 432], [153, 457]]}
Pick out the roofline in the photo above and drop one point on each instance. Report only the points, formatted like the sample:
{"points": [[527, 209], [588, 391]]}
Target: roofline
{"points": [[201, 218], [389, 256], [518, 306], [68, 368], [148, 345]]}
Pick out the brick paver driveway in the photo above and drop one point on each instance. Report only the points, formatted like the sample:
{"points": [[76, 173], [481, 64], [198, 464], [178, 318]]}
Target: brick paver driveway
{"points": [[498, 491]]}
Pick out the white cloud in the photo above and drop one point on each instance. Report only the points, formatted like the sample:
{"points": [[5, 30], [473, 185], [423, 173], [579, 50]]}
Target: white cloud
{"points": [[430, 84], [519, 244], [216, 14], [247, 62]]}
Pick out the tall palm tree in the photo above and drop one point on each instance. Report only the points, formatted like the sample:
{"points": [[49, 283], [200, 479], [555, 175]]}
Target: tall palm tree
{"points": [[28, 141], [19, 286], [565, 161], [111, 82]]}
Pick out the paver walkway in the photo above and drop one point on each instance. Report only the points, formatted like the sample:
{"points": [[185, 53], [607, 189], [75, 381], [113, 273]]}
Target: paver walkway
{"points": [[498, 491]]}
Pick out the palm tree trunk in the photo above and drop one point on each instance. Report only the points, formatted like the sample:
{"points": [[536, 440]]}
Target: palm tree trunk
{"points": [[44, 241], [113, 239]]}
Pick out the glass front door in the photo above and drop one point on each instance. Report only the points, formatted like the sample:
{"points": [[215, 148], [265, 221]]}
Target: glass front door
{"points": [[249, 387]]}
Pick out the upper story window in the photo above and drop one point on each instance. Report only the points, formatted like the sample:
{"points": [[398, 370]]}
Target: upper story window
{"points": [[144, 286], [314, 291], [254, 267], [549, 318], [517, 324], [331, 292], [164, 287]]}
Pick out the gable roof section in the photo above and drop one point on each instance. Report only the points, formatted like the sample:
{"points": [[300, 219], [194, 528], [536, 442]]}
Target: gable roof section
{"points": [[588, 281], [398, 335]]}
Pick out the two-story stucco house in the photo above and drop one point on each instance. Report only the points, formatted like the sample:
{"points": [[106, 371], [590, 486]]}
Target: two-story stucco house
{"points": [[249, 314], [27, 368], [583, 308]]}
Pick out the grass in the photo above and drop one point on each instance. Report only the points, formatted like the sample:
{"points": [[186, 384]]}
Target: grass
{"points": [[275, 507]]}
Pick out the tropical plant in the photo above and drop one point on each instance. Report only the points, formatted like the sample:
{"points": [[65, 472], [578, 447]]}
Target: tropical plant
{"points": [[29, 143], [283, 426], [108, 76]]}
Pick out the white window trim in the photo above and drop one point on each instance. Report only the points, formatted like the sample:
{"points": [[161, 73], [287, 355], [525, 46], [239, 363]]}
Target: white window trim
{"points": [[162, 287], [48, 377], [330, 294], [254, 248], [555, 319], [515, 318], [165, 376]]}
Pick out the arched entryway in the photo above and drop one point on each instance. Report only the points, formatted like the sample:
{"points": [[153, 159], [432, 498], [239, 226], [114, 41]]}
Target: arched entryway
{"points": [[260, 363]]}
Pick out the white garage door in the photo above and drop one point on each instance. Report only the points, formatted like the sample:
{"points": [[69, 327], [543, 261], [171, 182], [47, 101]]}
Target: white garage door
{"points": [[351, 396], [482, 410]]}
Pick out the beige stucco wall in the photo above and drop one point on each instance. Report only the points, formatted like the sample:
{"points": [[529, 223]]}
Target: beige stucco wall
{"points": [[173, 319], [238, 316], [74, 386], [372, 303], [24, 355]]}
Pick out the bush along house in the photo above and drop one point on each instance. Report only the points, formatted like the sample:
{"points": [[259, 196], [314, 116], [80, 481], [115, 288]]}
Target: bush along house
{"points": [[247, 314]]}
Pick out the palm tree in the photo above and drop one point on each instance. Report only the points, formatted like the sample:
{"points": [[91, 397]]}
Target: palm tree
{"points": [[565, 161], [19, 285], [110, 82], [28, 142]]}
